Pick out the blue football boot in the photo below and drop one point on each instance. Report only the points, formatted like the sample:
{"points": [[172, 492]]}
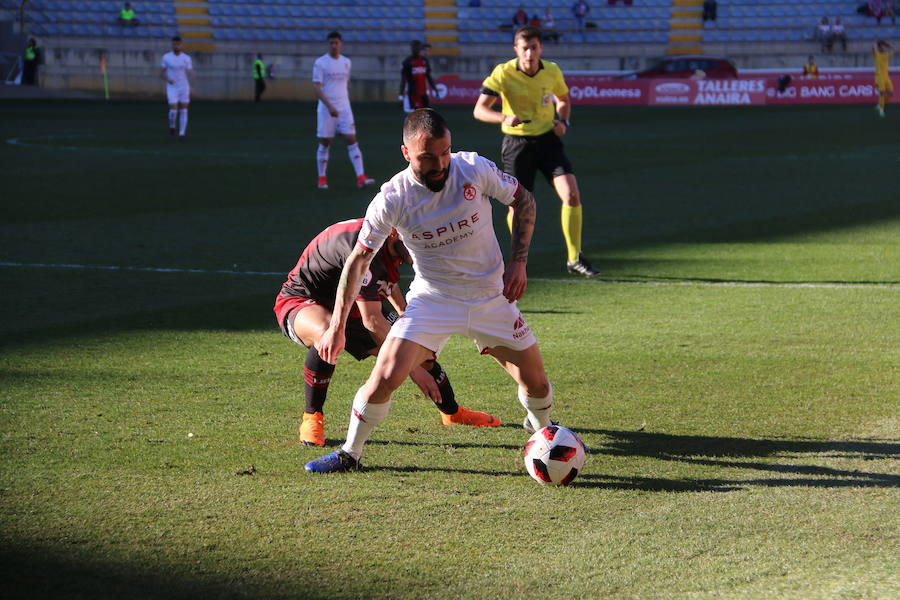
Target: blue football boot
{"points": [[336, 462]]}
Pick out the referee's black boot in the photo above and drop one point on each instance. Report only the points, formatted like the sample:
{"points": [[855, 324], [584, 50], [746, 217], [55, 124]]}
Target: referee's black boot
{"points": [[581, 267]]}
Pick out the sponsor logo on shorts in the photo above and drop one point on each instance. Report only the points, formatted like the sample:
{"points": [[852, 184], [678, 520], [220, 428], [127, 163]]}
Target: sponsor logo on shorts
{"points": [[469, 192], [520, 328]]}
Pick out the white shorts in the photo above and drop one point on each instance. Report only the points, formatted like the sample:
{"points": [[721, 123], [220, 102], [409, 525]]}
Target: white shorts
{"points": [[327, 125], [430, 320], [178, 94]]}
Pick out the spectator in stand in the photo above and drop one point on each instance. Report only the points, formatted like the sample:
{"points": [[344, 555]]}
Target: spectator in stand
{"points": [[839, 33], [549, 33], [126, 16], [520, 18], [890, 10], [811, 69], [535, 21], [30, 63], [613, 2], [876, 9], [823, 34], [580, 11], [710, 10]]}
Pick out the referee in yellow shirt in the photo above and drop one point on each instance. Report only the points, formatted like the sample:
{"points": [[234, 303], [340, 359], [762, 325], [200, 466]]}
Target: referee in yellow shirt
{"points": [[534, 116], [882, 52]]}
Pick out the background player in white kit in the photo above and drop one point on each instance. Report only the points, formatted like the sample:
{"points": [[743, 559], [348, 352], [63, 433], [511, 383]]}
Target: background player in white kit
{"points": [[331, 74], [441, 207], [178, 73]]}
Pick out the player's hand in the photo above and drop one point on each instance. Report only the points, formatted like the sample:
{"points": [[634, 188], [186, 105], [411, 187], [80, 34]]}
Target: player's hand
{"points": [[426, 383], [514, 281], [559, 128], [170, 81], [330, 345], [333, 112], [511, 120]]}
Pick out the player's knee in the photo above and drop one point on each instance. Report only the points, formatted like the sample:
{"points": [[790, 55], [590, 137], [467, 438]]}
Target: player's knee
{"points": [[570, 197]]}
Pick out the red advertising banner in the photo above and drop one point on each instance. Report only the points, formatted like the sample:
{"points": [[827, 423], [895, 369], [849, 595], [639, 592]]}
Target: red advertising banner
{"points": [[749, 90]]}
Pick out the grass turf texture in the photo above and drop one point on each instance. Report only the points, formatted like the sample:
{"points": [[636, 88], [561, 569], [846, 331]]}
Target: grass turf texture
{"points": [[743, 441]]}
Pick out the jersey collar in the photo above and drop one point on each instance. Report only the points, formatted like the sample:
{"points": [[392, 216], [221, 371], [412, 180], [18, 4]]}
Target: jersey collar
{"points": [[540, 66]]}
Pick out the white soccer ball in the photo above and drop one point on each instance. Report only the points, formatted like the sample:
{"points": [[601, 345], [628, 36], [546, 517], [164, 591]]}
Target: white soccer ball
{"points": [[554, 455]]}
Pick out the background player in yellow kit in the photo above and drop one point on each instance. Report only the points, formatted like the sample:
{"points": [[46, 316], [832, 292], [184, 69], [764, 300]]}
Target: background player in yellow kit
{"points": [[882, 51]]}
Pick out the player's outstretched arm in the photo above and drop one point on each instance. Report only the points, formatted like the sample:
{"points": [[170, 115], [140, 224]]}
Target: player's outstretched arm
{"points": [[515, 279], [331, 344]]}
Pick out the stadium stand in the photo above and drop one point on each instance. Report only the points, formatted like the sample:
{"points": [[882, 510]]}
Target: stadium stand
{"points": [[461, 27]]}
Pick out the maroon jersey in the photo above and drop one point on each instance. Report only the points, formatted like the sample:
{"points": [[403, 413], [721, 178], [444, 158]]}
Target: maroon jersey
{"points": [[417, 75], [317, 273]]}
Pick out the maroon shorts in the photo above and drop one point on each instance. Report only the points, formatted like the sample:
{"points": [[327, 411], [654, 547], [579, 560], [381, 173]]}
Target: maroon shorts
{"points": [[359, 342]]}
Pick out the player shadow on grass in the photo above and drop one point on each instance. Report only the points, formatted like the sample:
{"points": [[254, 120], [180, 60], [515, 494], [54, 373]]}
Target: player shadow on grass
{"points": [[705, 451]]}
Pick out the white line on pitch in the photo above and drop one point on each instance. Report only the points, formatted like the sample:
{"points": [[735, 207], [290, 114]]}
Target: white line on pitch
{"points": [[234, 271]]}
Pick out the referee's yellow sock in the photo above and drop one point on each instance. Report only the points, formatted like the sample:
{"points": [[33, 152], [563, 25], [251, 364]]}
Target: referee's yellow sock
{"points": [[571, 226]]}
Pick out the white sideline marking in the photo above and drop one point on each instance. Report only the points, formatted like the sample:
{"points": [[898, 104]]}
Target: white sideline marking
{"points": [[732, 284], [15, 141]]}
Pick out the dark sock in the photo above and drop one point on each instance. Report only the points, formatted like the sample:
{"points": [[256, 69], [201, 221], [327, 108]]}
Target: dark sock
{"points": [[316, 377], [448, 404]]}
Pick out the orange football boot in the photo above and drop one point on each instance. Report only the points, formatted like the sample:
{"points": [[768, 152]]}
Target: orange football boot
{"points": [[312, 430], [464, 416]]}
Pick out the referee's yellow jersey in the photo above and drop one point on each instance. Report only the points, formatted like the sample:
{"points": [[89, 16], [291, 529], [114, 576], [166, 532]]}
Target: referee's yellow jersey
{"points": [[882, 60], [530, 97]]}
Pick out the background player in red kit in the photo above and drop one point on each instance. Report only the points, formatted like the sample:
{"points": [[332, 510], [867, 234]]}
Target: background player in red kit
{"points": [[415, 78], [303, 309]]}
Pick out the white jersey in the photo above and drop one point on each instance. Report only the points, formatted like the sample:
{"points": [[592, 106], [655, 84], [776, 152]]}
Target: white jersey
{"points": [[450, 234], [334, 75], [177, 66]]}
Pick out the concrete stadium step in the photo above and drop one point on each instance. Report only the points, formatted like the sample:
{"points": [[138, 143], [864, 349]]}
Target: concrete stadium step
{"points": [[442, 27], [686, 27], [194, 25]]}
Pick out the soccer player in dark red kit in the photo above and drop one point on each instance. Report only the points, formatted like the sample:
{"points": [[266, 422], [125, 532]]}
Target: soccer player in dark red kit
{"points": [[415, 79], [303, 310]]}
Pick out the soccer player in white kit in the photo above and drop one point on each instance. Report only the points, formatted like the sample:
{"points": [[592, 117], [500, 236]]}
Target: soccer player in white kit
{"points": [[440, 206], [178, 73], [331, 74]]}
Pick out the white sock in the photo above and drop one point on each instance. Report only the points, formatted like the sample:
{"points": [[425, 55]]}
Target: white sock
{"points": [[356, 158], [538, 409], [364, 418], [173, 117], [182, 121], [322, 159]]}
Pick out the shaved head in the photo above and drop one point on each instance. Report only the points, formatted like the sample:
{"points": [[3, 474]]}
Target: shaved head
{"points": [[423, 121]]}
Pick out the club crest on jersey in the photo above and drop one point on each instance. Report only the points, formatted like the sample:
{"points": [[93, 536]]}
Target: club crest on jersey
{"points": [[469, 192]]}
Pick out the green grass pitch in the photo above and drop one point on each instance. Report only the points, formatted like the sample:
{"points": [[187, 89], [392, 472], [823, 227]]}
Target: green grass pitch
{"points": [[735, 371]]}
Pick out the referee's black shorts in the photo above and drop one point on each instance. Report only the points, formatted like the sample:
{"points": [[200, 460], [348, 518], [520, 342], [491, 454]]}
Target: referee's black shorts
{"points": [[523, 156]]}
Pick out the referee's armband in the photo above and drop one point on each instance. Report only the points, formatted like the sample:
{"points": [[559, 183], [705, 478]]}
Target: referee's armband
{"points": [[489, 92]]}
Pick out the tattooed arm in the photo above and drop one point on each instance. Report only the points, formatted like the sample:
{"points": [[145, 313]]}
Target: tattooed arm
{"points": [[331, 344], [524, 210]]}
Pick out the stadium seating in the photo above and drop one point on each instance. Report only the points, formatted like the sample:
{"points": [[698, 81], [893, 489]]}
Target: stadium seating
{"points": [[772, 20], [397, 21], [644, 22]]}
